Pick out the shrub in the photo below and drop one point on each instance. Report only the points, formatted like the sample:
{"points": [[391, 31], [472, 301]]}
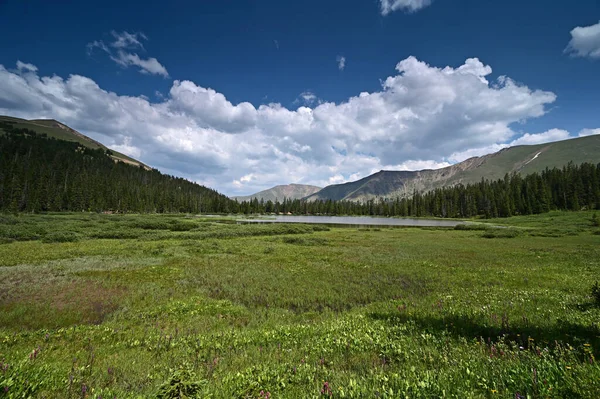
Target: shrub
{"points": [[182, 384], [470, 227], [8, 220], [21, 232], [501, 233], [596, 293], [152, 225], [595, 220], [183, 226], [61, 236], [117, 234], [305, 240]]}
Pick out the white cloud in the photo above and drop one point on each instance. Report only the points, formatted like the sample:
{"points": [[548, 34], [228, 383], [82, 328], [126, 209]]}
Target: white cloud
{"points": [[585, 41], [124, 43], [128, 40], [22, 66], [525, 139], [588, 132], [341, 61], [422, 117], [127, 149], [460, 156], [307, 98], [388, 6], [540, 138], [150, 65]]}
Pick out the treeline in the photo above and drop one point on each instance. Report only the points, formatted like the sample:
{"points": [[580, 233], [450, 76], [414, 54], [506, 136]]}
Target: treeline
{"points": [[39, 174], [573, 187]]}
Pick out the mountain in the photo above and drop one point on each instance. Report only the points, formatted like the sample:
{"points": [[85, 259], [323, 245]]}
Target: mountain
{"points": [[289, 191], [524, 159], [60, 131], [40, 173]]}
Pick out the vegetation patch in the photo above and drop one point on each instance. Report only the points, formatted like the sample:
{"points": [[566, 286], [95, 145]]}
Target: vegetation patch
{"points": [[61, 236], [310, 241], [472, 227], [501, 233], [286, 311]]}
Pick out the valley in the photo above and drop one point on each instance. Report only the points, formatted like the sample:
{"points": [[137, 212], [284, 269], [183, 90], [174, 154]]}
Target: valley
{"points": [[135, 306]]}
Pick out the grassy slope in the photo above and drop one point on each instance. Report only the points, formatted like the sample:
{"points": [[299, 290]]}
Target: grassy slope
{"points": [[289, 191], [557, 154], [493, 167], [284, 309], [49, 127]]}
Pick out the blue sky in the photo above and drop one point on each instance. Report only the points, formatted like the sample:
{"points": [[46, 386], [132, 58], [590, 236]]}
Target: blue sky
{"points": [[243, 95]]}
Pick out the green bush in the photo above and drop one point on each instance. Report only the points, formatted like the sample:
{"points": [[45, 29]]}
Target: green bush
{"points": [[596, 293], [183, 226], [21, 232], [8, 219], [116, 234], [182, 384], [152, 224], [471, 227], [501, 233], [305, 240], [61, 236]]}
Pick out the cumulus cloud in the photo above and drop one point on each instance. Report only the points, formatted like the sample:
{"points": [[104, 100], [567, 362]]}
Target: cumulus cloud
{"points": [[588, 132], [120, 50], [388, 6], [422, 117], [540, 138], [341, 61], [585, 41]]}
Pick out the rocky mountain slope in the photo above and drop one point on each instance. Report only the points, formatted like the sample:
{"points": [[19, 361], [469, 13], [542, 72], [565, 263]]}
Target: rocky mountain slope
{"points": [[289, 191], [523, 159]]}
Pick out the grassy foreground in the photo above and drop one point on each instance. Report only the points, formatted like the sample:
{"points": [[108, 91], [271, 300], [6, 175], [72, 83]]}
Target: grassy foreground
{"points": [[105, 306]]}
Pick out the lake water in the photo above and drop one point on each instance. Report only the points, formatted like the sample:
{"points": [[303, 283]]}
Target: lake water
{"points": [[355, 221]]}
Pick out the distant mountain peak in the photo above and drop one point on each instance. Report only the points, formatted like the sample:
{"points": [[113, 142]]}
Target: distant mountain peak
{"points": [[524, 159], [290, 191]]}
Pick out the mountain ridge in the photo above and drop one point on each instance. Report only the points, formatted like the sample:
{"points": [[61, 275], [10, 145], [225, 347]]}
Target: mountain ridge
{"points": [[60, 131], [522, 159], [289, 191]]}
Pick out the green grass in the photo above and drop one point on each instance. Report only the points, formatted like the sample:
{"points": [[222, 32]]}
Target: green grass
{"points": [[145, 305]]}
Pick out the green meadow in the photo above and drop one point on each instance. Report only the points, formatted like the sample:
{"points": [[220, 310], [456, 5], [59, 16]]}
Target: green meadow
{"points": [[173, 306]]}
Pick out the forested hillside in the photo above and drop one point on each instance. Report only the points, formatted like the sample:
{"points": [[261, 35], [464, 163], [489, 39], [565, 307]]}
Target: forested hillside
{"points": [[38, 173], [573, 187], [521, 159]]}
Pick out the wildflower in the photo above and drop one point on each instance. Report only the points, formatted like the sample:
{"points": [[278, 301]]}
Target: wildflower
{"points": [[326, 390], [587, 345], [568, 367], [494, 391]]}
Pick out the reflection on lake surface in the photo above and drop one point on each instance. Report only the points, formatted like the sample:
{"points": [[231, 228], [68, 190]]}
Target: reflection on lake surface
{"points": [[355, 220]]}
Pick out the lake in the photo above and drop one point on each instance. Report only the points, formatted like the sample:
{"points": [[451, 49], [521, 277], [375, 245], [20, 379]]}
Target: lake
{"points": [[363, 221]]}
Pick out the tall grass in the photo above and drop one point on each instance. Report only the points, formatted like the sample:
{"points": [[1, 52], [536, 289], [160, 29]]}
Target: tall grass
{"points": [[148, 306]]}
